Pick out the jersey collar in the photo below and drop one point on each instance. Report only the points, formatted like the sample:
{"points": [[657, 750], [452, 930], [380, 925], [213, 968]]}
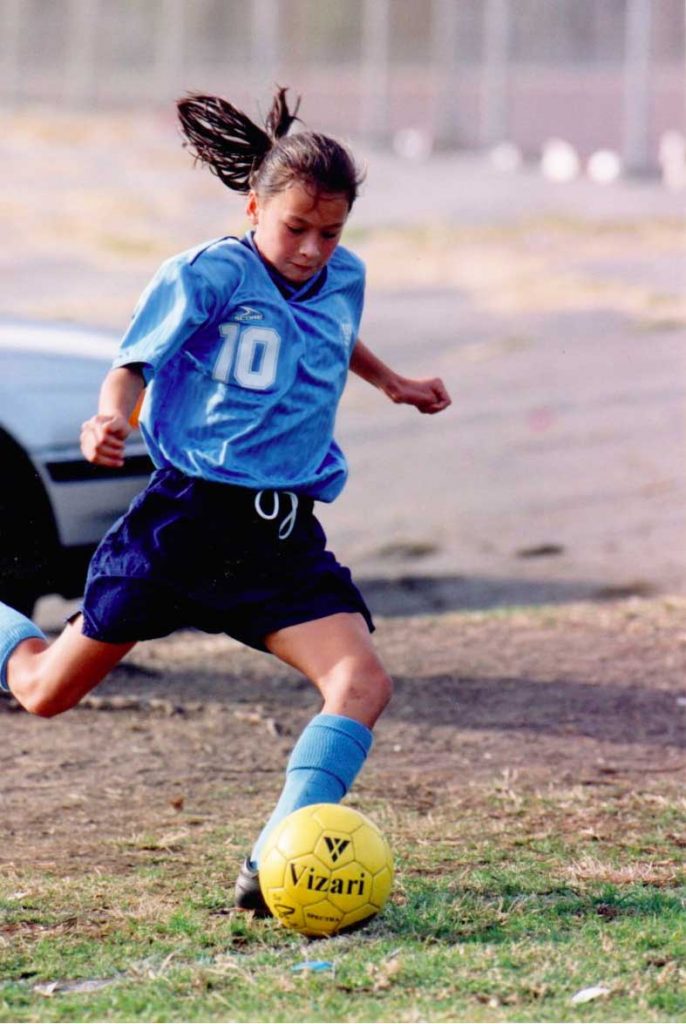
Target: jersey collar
{"points": [[291, 292]]}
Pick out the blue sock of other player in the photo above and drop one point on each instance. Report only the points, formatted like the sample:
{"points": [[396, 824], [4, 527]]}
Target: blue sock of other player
{"points": [[14, 627], [321, 769]]}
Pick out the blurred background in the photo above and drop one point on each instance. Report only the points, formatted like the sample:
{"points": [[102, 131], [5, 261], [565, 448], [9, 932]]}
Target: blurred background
{"points": [[523, 227], [466, 73]]}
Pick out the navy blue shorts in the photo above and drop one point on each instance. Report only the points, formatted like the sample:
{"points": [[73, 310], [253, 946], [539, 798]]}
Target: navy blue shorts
{"points": [[214, 557]]}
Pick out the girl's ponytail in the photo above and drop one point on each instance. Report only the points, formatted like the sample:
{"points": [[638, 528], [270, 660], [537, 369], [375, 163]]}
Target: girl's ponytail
{"points": [[280, 118], [268, 160], [225, 139]]}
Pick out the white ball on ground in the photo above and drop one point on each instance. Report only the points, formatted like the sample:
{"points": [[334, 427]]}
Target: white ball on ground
{"points": [[604, 166], [560, 161]]}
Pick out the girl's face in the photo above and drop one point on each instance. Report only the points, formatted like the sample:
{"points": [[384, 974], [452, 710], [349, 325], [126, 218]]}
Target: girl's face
{"points": [[297, 231]]}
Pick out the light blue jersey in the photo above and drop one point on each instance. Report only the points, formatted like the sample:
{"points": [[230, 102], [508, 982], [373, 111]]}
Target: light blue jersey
{"points": [[243, 382]]}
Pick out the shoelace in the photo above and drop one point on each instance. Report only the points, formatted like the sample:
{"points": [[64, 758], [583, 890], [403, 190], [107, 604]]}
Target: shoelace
{"points": [[288, 523]]}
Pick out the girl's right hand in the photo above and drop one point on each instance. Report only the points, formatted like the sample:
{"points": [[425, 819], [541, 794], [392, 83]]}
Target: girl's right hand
{"points": [[103, 438]]}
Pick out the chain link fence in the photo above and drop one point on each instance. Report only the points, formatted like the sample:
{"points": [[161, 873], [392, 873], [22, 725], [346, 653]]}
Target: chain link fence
{"points": [[460, 73]]}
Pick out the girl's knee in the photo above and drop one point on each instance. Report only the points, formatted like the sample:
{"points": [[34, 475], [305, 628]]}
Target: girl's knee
{"points": [[52, 680], [42, 706], [359, 690], [42, 685], [381, 686], [37, 693]]}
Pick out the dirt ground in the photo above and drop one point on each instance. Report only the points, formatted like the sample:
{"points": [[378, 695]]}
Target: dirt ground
{"points": [[194, 730], [557, 475]]}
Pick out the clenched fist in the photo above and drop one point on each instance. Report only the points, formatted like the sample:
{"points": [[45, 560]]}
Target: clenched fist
{"points": [[428, 396], [103, 439]]}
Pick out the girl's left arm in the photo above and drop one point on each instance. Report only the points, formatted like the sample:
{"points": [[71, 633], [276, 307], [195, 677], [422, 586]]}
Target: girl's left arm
{"points": [[428, 396]]}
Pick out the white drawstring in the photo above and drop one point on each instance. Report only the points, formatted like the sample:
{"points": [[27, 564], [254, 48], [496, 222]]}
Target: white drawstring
{"points": [[285, 527]]}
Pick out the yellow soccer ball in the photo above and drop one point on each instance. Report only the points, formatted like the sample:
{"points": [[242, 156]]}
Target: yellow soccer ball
{"points": [[324, 869]]}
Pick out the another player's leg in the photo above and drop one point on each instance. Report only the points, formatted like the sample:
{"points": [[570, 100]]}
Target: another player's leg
{"points": [[336, 653], [45, 678]]}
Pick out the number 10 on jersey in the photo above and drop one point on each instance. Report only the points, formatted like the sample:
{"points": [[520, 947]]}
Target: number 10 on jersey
{"points": [[248, 355]]}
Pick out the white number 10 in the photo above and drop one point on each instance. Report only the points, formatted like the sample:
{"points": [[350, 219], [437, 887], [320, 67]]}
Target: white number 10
{"points": [[250, 354]]}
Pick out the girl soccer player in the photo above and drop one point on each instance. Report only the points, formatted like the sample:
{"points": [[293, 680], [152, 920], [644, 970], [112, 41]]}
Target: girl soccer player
{"points": [[242, 347]]}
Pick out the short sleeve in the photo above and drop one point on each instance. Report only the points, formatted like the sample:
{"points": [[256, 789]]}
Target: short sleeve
{"points": [[357, 294], [175, 304], [353, 279]]}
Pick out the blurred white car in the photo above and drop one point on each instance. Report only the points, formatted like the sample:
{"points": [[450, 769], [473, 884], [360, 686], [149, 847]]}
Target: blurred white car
{"points": [[54, 506]]}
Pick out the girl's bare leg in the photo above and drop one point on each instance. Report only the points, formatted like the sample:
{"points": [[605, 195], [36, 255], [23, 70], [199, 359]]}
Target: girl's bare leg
{"points": [[47, 679], [337, 654]]}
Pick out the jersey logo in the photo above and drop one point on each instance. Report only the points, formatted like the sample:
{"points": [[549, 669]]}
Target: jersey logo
{"points": [[346, 332], [246, 314]]}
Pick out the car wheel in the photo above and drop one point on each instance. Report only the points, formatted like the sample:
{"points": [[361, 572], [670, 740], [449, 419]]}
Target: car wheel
{"points": [[28, 540]]}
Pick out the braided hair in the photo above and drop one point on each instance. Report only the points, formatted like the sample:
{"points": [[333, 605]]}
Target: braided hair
{"points": [[266, 160]]}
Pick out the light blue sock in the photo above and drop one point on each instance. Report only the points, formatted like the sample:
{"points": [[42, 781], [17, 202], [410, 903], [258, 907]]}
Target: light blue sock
{"points": [[14, 627], [322, 768]]}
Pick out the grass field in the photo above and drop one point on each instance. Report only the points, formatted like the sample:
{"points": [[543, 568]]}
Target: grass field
{"points": [[504, 916], [539, 843]]}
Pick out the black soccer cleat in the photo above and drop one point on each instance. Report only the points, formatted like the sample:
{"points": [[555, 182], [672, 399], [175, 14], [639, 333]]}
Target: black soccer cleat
{"points": [[247, 894]]}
